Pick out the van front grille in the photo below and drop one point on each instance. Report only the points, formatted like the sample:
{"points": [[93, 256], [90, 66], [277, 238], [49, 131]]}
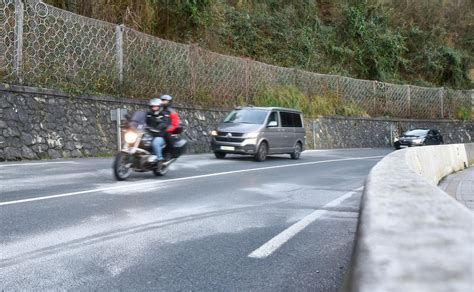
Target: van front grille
{"points": [[230, 139], [233, 134]]}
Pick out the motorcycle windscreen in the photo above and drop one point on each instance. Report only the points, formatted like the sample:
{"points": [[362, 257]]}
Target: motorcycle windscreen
{"points": [[138, 118]]}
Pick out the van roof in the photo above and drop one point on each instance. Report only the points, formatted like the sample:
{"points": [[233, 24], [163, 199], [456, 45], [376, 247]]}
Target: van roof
{"points": [[269, 108]]}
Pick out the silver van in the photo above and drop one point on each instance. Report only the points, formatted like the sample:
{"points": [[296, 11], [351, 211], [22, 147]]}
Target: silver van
{"points": [[260, 131]]}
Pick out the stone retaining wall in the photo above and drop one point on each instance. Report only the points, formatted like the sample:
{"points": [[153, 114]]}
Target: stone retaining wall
{"points": [[37, 123], [344, 132]]}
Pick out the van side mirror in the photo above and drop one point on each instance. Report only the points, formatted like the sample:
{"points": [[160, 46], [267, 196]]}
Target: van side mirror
{"points": [[272, 124]]}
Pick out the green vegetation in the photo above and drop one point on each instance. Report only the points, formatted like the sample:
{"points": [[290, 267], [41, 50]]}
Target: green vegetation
{"points": [[465, 113], [421, 42], [312, 105]]}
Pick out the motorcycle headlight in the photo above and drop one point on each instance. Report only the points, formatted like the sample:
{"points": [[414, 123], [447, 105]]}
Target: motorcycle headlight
{"points": [[131, 137]]}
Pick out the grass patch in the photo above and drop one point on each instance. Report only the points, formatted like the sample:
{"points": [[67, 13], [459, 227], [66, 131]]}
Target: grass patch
{"points": [[464, 113], [329, 104]]}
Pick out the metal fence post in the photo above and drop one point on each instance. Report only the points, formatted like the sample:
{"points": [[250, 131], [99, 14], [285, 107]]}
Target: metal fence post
{"points": [[119, 130], [441, 100], [18, 58], [192, 70], [295, 78], [472, 103], [119, 29], [248, 99], [374, 89], [391, 134], [315, 127]]}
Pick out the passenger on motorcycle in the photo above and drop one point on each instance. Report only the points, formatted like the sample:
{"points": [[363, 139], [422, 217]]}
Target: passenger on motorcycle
{"points": [[172, 118], [157, 125]]}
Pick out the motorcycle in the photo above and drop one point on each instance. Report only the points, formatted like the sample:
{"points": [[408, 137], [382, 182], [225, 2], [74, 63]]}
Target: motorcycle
{"points": [[136, 153]]}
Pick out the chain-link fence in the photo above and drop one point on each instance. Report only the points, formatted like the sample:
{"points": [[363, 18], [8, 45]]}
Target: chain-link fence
{"points": [[45, 46]]}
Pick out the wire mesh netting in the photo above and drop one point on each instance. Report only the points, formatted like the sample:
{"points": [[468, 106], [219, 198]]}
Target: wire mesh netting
{"points": [[61, 49], [217, 77], [263, 75], [392, 99], [426, 102], [360, 91], [316, 84], [457, 101], [45, 46], [7, 40], [153, 66]]}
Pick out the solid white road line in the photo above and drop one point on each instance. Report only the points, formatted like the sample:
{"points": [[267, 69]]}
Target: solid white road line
{"points": [[277, 241], [37, 163], [338, 149], [135, 185]]}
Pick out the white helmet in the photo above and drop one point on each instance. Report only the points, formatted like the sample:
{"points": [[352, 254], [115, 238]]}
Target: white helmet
{"points": [[155, 102], [166, 97]]}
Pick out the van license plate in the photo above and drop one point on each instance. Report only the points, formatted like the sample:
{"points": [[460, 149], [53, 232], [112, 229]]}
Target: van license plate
{"points": [[231, 148]]}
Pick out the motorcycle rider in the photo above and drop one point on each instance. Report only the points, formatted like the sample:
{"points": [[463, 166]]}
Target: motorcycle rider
{"points": [[157, 125], [172, 118]]}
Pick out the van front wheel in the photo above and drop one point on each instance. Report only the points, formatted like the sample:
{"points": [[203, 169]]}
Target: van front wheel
{"points": [[297, 152], [219, 155], [262, 152]]}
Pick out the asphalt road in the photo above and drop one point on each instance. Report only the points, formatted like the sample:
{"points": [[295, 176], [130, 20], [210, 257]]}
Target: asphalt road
{"points": [[209, 224]]}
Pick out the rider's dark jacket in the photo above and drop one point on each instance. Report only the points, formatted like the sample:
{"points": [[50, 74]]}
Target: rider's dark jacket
{"points": [[157, 122]]}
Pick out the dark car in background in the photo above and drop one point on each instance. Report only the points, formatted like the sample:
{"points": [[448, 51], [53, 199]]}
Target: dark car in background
{"points": [[419, 137]]}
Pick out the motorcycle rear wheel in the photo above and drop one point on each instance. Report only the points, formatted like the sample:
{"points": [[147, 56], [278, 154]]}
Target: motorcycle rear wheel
{"points": [[121, 170], [162, 171]]}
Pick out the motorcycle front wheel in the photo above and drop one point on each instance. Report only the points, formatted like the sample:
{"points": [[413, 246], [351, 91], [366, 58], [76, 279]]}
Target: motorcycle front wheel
{"points": [[122, 169]]}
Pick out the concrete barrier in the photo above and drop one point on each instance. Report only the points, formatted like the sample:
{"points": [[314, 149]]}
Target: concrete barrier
{"points": [[411, 235]]}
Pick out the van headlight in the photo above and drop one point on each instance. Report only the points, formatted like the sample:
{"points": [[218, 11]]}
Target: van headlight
{"points": [[213, 133], [418, 141], [251, 141], [251, 135], [131, 137], [395, 140]]}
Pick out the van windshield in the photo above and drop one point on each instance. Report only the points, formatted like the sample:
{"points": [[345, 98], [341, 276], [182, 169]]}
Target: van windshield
{"points": [[247, 116]]}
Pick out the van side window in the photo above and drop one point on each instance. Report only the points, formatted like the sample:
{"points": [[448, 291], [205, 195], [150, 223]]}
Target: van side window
{"points": [[296, 119], [286, 119], [290, 120], [273, 117]]}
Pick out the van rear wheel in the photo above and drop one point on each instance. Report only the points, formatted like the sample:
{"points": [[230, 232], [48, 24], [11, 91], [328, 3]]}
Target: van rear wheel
{"points": [[219, 155], [262, 152], [297, 151]]}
